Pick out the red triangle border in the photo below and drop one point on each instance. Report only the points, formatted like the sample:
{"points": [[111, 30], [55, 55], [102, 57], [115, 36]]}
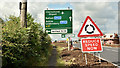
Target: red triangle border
{"points": [[93, 35]]}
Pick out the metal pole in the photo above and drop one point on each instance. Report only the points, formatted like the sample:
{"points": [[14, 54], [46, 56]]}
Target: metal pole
{"points": [[94, 57], [81, 51], [23, 13], [68, 43], [82, 57], [99, 58], [86, 58]]}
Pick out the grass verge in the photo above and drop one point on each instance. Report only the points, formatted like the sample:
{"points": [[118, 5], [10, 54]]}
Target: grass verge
{"points": [[60, 62]]}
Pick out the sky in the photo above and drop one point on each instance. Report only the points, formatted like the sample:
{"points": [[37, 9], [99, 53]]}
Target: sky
{"points": [[103, 12]]}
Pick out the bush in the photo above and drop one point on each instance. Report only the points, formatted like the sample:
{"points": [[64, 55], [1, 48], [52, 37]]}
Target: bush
{"points": [[23, 46]]}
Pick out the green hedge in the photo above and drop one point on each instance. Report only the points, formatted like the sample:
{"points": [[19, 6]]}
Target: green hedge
{"points": [[24, 46]]}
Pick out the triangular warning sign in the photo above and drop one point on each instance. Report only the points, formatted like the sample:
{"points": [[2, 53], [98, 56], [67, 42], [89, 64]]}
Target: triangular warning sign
{"points": [[89, 29]]}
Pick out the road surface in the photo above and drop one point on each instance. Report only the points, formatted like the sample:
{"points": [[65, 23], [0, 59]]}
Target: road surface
{"points": [[53, 57], [110, 54]]}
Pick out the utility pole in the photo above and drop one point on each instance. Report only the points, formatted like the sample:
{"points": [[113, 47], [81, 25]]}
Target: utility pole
{"points": [[23, 13]]}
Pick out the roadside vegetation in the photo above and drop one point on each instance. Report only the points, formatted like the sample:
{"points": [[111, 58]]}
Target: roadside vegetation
{"points": [[76, 58], [60, 61], [24, 46]]}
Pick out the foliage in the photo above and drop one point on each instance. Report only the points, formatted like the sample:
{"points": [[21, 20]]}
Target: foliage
{"points": [[1, 20], [24, 46]]}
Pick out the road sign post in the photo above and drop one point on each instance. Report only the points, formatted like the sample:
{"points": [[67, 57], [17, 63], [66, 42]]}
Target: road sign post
{"points": [[86, 58], [58, 21], [68, 43], [99, 58]]}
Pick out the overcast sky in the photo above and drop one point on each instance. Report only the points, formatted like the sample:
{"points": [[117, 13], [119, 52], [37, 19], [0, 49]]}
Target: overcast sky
{"points": [[103, 13]]}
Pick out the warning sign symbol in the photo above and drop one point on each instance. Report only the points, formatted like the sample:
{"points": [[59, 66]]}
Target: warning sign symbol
{"points": [[89, 29], [89, 32]]}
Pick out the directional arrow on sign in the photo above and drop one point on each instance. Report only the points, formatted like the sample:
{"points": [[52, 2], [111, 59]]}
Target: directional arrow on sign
{"points": [[48, 31], [67, 35], [62, 13], [70, 18], [63, 35]]}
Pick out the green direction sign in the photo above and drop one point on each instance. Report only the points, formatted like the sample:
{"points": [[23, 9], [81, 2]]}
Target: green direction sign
{"points": [[58, 21], [67, 35]]}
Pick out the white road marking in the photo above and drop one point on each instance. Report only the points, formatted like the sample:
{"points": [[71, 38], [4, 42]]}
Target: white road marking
{"points": [[107, 46], [114, 50], [106, 60], [112, 47], [108, 49]]}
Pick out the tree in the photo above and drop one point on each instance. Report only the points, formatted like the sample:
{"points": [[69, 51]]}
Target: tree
{"points": [[1, 20], [24, 46]]}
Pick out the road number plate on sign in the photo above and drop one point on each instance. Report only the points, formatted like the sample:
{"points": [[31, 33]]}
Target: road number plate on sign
{"points": [[91, 45], [59, 31]]}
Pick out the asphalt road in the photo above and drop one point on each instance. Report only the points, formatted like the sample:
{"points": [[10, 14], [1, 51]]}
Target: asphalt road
{"points": [[77, 45], [110, 54]]}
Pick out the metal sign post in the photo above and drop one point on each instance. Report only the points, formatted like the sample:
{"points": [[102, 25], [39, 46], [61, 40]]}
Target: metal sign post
{"points": [[94, 56], [86, 58], [82, 52], [82, 57], [99, 58], [68, 43]]}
